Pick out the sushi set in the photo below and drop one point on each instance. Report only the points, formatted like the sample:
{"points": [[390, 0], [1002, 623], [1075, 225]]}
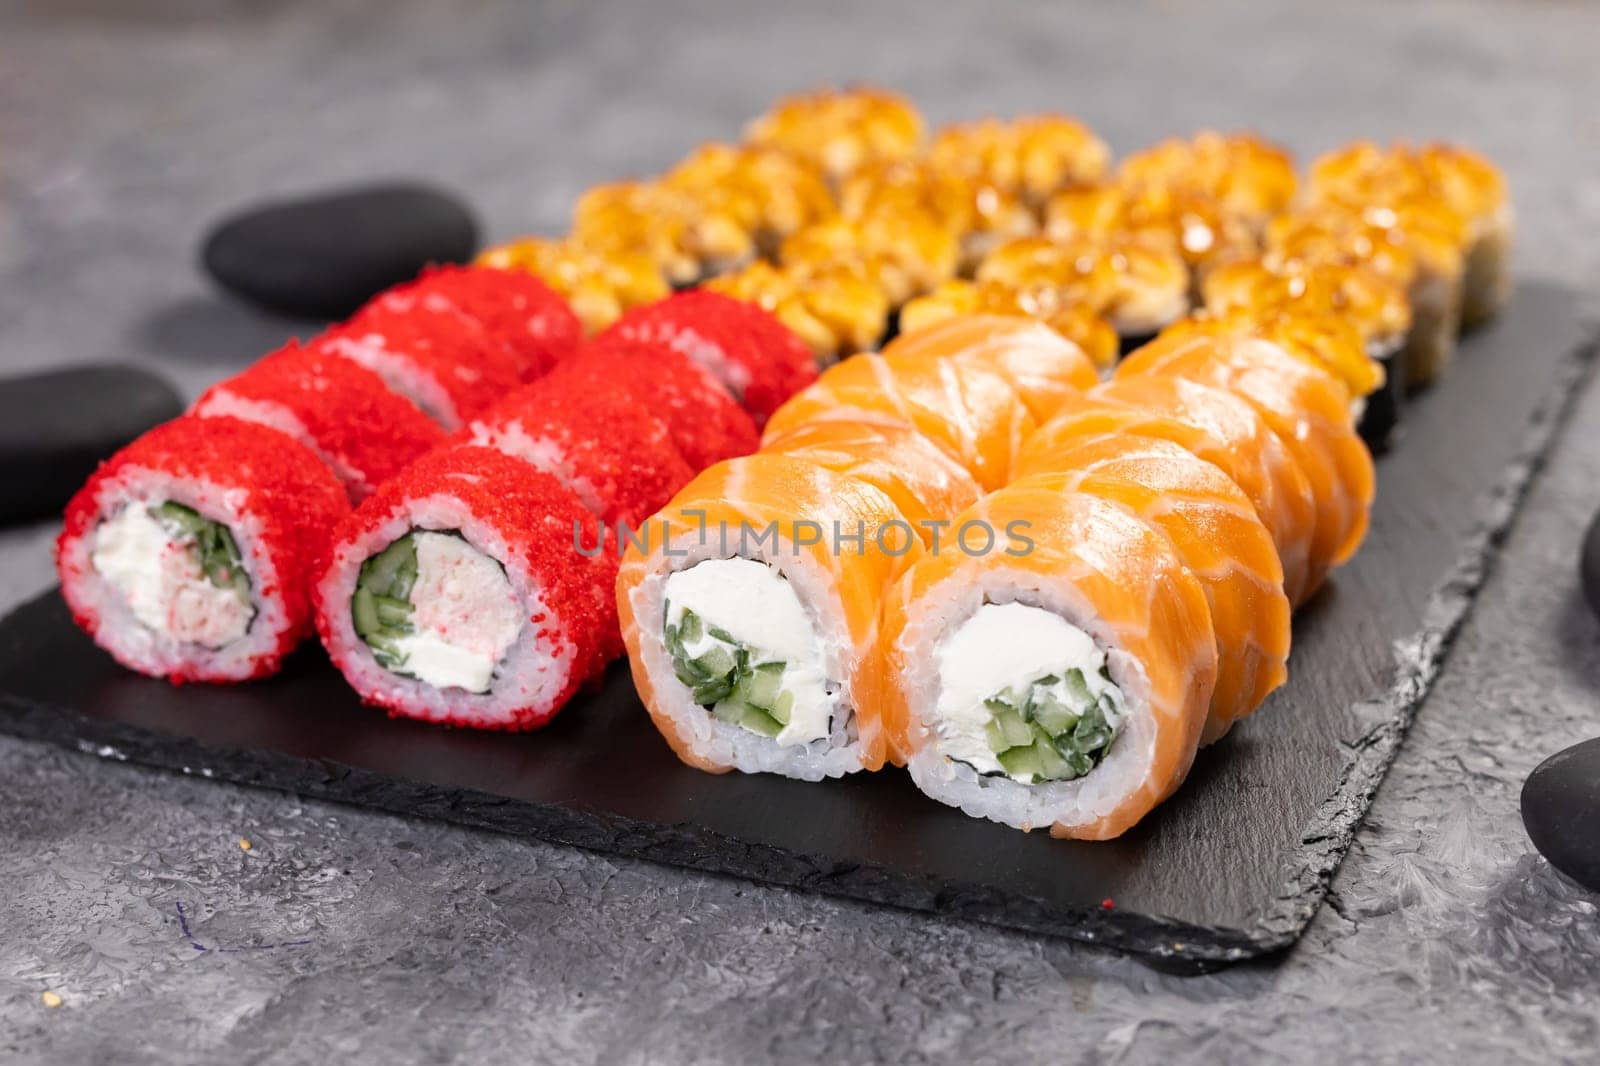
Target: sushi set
{"points": [[968, 454]]}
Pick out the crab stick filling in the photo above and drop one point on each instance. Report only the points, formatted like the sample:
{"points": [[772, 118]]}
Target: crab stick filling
{"points": [[745, 647], [1024, 693], [433, 607], [179, 573]]}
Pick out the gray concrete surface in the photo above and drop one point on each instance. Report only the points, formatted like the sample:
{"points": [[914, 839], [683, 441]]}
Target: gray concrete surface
{"points": [[124, 125]]}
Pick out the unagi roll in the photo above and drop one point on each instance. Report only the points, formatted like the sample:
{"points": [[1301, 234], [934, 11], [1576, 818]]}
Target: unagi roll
{"points": [[750, 617], [927, 485], [1305, 407], [1216, 426], [191, 553], [473, 590], [1061, 682], [1213, 527]]}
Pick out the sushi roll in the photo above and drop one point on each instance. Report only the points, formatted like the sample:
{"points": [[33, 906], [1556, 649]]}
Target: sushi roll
{"points": [[1316, 337], [1033, 157], [840, 131], [1251, 178], [444, 364], [1305, 407], [1419, 255], [1473, 187], [1195, 224], [1137, 285], [1375, 305], [1059, 683], [1450, 177], [1044, 368], [639, 218], [599, 285], [529, 320], [977, 213], [907, 252], [970, 411], [751, 615], [1212, 424], [191, 553], [925, 484], [705, 423], [747, 200], [622, 473], [341, 411], [756, 358], [1073, 321], [836, 307], [1213, 527], [473, 591]]}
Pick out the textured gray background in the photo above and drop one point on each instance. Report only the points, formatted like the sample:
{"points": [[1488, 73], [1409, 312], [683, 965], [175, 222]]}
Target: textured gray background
{"points": [[123, 126]]}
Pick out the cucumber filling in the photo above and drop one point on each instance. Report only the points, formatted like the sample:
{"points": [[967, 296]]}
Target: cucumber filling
{"points": [[1025, 694], [1055, 729], [180, 573], [737, 683], [434, 608], [743, 645]]}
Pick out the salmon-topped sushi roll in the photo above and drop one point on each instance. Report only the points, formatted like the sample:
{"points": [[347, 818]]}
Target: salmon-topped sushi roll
{"points": [[1212, 423], [1044, 367], [1306, 409], [971, 411], [925, 483], [749, 608], [1215, 531], [1059, 681]]}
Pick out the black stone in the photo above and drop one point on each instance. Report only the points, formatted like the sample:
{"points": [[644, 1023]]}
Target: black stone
{"points": [[1589, 564], [323, 256], [1232, 867], [55, 427], [1561, 810]]}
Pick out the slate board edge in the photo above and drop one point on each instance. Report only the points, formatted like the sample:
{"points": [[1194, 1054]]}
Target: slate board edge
{"points": [[1171, 946], [1418, 659], [1168, 945]]}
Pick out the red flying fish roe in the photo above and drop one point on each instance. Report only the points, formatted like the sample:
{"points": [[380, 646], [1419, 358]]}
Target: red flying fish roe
{"points": [[425, 353], [290, 496], [705, 423], [614, 453], [756, 357], [343, 412], [540, 521], [534, 324]]}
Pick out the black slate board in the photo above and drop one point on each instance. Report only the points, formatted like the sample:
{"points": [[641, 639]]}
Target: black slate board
{"points": [[1231, 868]]}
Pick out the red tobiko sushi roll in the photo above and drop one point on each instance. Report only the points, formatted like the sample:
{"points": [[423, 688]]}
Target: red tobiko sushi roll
{"points": [[471, 590], [614, 453], [755, 357], [445, 364], [534, 324], [705, 423], [341, 411], [191, 553]]}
